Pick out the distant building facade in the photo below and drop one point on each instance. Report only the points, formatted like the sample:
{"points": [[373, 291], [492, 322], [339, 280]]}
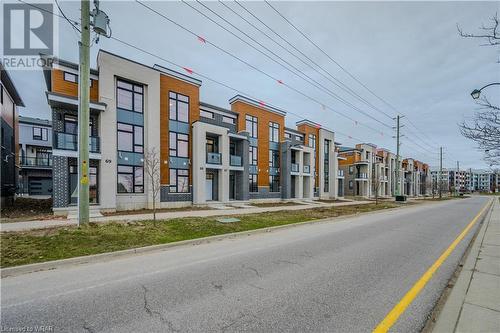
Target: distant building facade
{"points": [[35, 149]]}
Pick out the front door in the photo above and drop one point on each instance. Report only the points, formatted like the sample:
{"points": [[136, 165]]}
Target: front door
{"points": [[209, 187]]}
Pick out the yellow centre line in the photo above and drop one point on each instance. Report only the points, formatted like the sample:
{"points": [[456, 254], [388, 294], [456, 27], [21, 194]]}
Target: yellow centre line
{"points": [[398, 310]]}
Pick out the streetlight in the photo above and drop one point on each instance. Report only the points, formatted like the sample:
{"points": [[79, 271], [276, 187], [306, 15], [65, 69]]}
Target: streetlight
{"points": [[477, 92]]}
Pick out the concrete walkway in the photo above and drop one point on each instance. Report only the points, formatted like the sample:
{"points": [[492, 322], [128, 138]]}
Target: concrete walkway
{"points": [[30, 225], [474, 302]]}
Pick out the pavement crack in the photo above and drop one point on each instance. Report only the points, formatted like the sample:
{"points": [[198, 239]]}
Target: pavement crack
{"points": [[236, 320], [307, 254], [88, 328], [254, 270], [277, 262], [254, 286], [152, 313]]}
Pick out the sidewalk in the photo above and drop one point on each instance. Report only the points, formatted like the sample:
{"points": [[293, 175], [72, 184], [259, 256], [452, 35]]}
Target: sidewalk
{"points": [[29, 225], [474, 302]]}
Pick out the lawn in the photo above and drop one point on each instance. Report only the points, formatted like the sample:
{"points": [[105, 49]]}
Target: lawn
{"points": [[21, 248]]}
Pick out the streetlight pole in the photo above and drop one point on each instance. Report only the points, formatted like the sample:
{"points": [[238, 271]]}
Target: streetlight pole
{"points": [[83, 115], [440, 172]]}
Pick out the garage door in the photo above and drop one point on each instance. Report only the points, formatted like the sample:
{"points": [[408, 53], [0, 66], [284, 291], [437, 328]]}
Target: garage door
{"points": [[40, 186]]}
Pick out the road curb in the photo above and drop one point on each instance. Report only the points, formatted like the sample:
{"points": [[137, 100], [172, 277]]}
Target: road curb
{"points": [[102, 257], [447, 317]]}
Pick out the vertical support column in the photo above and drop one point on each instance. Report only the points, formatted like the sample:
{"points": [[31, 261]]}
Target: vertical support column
{"points": [[83, 116]]}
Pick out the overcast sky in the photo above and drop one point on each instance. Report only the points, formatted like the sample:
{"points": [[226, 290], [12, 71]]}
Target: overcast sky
{"points": [[408, 53]]}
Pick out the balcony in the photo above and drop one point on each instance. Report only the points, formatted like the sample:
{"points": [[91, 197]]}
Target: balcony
{"points": [[362, 175], [307, 169], [214, 158], [68, 141], [235, 160], [340, 173], [295, 167], [36, 161]]}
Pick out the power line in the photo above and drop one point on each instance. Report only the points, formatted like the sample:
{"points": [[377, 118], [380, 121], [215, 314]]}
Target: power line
{"points": [[295, 69], [332, 78], [336, 62], [205, 41]]}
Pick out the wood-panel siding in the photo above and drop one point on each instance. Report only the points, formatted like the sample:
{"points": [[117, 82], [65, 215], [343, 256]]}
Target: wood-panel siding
{"points": [[263, 117], [168, 84], [61, 86]]}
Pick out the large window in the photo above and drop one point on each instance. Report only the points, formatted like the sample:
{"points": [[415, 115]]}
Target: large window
{"points": [[130, 179], [129, 96], [312, 140], [252, 182], [178, 144], [252, 155], [179, 107], [130, 138], [179, 181], [274, 183], [251, 123], [274, 158], [274, 132], [40, 133]]}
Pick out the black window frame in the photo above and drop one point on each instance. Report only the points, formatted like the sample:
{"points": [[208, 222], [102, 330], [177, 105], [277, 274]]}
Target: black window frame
{"points": [[253, 185], [274, 132], [251, 149], [274, 183], [137, 89], [135, 185], [134, 144], [178, 100], [312, 141], [174, 188], [255, 125], [176, 149], [274, 158], [43, 131]]}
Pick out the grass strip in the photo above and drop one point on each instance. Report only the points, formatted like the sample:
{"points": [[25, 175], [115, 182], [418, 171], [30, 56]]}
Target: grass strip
{"points": [[20, 248]]}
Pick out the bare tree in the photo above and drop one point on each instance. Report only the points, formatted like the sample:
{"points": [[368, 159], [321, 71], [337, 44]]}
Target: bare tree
{"points": [[485, 131], [489, 33], [152, 168], [376, 183]]}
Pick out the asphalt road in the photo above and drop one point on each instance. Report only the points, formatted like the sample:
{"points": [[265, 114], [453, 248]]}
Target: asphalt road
{"points": [[343, 276]]}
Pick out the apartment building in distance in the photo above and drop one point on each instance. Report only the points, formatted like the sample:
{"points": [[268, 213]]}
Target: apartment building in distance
{"points": [[35, 156], [358, 169], [209, 154], [10, 101]]}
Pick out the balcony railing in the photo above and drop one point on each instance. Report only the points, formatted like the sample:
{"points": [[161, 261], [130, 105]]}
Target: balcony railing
{"points": [[362, 175], [307, 169], [340, 173], [36, 161], [214, 158], [295, 167], [68, 141], [235, 160]]}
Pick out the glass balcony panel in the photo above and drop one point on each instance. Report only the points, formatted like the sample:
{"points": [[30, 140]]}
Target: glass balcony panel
{"points": [[214, 158], [235, 160]]}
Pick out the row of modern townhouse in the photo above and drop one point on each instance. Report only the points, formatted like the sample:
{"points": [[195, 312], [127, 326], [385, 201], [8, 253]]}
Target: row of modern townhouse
{"points": [[372, 172], [466, 180], [208, 153]]}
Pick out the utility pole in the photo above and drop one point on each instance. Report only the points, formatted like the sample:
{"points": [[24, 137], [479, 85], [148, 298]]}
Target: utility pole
{"points": [[398, 180], [440, 172], [457, 188], [100, 26], [83, 115]]}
